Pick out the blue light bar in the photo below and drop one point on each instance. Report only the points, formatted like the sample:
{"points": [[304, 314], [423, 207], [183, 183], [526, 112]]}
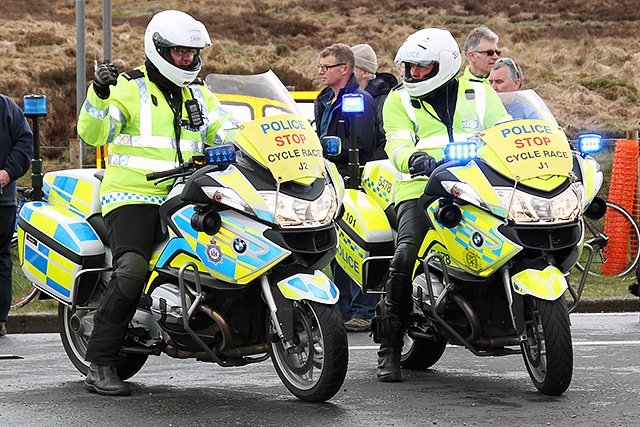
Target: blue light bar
{"points": [[35, 105], [461, 151], [332, 145], [220, 154], [352, 103], [589, 143]]}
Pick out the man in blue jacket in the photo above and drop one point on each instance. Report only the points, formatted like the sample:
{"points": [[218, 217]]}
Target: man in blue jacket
{"points": [[16, 151]]}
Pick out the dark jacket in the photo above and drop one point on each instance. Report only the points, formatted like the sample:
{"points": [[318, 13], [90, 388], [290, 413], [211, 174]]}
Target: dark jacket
{"points": [[330, 121], [16, 146], [379, 88]]}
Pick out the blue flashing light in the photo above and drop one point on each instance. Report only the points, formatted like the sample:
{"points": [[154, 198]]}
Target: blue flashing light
{"points": [[461, 151], [590, 143], [35, 105], [352, 103], [220, 154]]}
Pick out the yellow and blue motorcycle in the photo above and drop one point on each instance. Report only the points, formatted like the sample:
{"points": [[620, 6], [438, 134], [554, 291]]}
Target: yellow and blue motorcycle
{"points": [[237, 277], [506, 213]]}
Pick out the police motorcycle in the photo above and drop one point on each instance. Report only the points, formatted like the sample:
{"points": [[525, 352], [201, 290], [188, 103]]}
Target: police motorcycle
{"points": [[506, 210], [236, 278]]}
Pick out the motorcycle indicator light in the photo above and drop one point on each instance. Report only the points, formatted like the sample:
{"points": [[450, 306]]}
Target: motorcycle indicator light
{"points": [[590, 143], [461, 151], [352, 103], [220, 154]]}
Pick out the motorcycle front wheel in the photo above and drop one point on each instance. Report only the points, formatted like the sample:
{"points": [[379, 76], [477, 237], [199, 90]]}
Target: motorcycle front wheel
{"points": [[75, 332], [548, 352], [314, 368]]}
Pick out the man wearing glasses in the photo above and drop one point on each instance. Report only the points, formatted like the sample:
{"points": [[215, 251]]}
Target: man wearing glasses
{"points": [[335, 68], [506, 79], [481, 50]]}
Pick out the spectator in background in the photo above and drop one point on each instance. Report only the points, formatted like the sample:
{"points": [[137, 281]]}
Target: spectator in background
{"points": [[336, 68], [506, 79], [481, 51], [336, 71], [377, 84], [16, 151]]}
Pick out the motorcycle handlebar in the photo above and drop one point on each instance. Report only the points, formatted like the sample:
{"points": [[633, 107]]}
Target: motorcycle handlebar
{"points": [[164, 174]]}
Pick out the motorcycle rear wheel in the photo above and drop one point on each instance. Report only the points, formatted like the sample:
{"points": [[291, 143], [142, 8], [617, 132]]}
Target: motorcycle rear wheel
{"points": [[75, 345], [315, 368], [420, 354], [548, 352]]}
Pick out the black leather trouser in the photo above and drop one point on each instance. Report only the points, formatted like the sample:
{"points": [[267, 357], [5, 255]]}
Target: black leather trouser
{"points": [[412, 227], [133, 230]]}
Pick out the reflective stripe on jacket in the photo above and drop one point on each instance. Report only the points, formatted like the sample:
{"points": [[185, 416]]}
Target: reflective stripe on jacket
{"points": [[409, 129], [138, 124]]}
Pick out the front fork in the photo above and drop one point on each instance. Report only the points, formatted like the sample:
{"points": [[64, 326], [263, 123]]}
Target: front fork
{"points": [[283, 330]]}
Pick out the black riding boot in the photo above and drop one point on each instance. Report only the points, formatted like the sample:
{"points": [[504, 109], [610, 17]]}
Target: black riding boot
{"points": [[392, 332]]}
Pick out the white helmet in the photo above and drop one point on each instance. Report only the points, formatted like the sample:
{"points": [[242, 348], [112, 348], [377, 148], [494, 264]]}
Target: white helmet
{"points": [[175, 28], [426, 47]]}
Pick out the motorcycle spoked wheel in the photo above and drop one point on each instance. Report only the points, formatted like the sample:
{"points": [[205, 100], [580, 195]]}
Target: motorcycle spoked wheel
{"points": [[75, 345], [315, 368], [420, 354], [548, 352]]}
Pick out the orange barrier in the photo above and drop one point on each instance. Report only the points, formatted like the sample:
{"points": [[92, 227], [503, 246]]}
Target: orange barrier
{"points": [[622, 191]]}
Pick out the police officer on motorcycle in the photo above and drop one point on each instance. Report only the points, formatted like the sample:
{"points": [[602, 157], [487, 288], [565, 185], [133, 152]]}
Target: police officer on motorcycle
{"points": [[430, 109], [153, 118]]}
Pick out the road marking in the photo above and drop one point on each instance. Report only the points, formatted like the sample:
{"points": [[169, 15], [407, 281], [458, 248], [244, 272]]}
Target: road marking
{"points": [[575, 344]]}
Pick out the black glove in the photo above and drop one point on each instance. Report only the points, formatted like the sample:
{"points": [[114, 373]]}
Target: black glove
{"points": [[106, 75], [421, 164]]}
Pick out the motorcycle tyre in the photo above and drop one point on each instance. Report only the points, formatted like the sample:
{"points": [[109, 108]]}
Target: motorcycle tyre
{"points": [[421, 354], [325, 321], [548, 325], [75, 345]]}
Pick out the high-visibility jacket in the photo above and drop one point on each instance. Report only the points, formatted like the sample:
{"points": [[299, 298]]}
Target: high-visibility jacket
{"points": [[411, 129], [138, 124], [468, 75]]}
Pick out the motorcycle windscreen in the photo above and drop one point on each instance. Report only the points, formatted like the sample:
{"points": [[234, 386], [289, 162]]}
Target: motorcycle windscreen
{"points": [[525, 149], [286, 144], [549, 284]]}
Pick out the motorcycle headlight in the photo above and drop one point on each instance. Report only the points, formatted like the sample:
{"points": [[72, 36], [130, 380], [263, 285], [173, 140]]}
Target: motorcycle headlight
{"points": [[527, 208], [290, 211]]}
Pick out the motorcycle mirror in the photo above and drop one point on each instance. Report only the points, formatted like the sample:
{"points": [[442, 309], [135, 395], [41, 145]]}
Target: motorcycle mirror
{"points": [[332, 145], [596, 209]]}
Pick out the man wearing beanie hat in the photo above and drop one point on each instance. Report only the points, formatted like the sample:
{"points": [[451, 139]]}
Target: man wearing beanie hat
{"points": [[377, 85]]}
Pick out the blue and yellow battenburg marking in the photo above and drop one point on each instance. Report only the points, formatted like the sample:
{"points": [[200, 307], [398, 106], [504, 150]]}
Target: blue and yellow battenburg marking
{"points": [[237, 253], [40, 255], [76, 189], [475, 244], [549, 284], [312, 287], [378, 181]]}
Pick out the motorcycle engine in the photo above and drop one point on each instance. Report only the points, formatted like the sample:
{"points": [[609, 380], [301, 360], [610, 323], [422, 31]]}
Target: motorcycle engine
{"points": [[166, 306]]}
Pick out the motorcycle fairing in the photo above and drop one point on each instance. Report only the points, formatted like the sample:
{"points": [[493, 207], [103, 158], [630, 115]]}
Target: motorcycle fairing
{"points": [[475, 244], [549, 284], [312, 287], [472, 174], [237, 253], [590, 168]]}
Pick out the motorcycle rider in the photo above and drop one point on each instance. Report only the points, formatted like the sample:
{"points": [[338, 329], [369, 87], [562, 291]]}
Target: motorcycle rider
{"points": [[430, 109], [153, 118]]}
